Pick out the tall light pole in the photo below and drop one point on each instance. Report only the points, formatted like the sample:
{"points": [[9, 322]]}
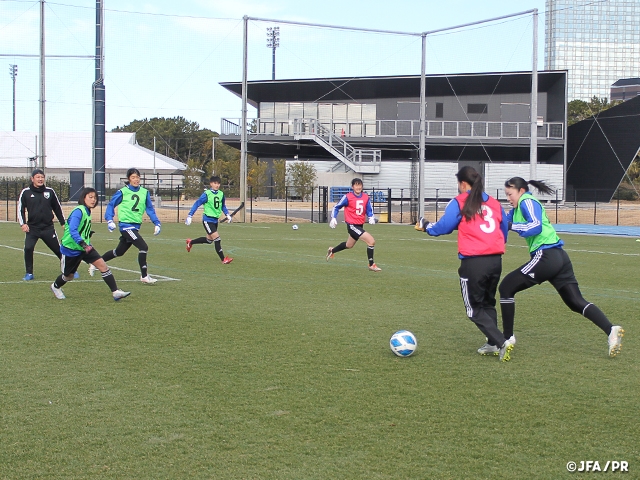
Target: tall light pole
{"points": [[13, 71], [273, 42]]}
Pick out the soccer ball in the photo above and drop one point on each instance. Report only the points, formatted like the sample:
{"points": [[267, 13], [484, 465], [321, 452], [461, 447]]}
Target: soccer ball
{"points": [[403, 343], [295, 227]]}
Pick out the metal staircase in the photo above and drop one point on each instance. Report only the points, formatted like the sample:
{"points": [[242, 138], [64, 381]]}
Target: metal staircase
{"points": [[357, 159]]}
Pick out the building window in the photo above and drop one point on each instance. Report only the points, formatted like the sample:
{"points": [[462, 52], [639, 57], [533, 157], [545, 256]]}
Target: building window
{"points": [[477, 108], [439, 110]]}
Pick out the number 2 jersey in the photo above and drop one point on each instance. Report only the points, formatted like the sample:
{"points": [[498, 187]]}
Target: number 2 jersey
{"points": [[132, 203], [356, 208], [484, 234]]}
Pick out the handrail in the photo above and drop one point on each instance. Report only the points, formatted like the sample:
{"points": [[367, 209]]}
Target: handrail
{"points": [[397, 128]]}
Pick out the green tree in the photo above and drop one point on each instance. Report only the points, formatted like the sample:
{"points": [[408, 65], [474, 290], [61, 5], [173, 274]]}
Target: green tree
{"points": [[302, 177], [280, 177], [176, 138], [257, 177], [192, 180], [579, 110]]}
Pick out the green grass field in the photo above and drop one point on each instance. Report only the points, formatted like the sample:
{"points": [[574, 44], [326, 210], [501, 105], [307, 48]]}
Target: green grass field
{"points": [[277, 366]]}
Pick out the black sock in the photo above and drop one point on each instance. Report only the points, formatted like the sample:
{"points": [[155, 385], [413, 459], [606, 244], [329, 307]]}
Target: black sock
{"points": [[370, 255], [218, 248], [110, 255], [142, 261], [594, 314], [200, 240], [508, 312], [109, 280], [59, 283], [339, 248]]}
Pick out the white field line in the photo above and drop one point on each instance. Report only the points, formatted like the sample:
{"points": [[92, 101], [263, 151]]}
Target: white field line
{"points": [[159, 277], [524, 246]]}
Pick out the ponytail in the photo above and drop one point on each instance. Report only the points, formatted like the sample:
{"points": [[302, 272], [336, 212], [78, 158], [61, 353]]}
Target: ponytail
{"points": [[520, 183], [473, 203]]}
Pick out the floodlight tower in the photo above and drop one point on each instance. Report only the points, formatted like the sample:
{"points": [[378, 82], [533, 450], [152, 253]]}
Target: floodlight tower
{"points": [[13, 71], [273, 42]]}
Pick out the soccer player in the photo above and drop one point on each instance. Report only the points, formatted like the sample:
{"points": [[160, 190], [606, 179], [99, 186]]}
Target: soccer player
{"points": [[214, 206], [357, 207], [549, 262], [76, 246], [132, 201], [40, 202], [482, 233]]}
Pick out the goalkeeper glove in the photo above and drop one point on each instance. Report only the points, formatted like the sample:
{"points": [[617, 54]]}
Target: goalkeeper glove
{"points": [[156, 231], [111, 225], [333, 223], [188, 220], [229, 218], [372, 220]]}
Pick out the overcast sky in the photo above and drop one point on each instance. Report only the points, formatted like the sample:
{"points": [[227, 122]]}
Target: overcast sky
{"points": [[166, 58]]}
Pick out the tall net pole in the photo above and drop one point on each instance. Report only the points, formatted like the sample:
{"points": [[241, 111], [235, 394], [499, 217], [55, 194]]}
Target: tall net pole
{"points": [[243, 125], [533, 154], [42, 151]]}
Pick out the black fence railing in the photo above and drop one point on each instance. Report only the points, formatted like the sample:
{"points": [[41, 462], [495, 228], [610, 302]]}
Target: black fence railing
{"points": [[288, 203]]}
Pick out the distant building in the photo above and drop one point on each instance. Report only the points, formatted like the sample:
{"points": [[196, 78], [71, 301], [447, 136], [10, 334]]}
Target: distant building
{"points": [[369, 127], [625, 89], [597, 42], [73, 152]]}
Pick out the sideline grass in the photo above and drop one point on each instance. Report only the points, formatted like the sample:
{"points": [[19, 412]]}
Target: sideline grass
{"points": [[277, 365]]}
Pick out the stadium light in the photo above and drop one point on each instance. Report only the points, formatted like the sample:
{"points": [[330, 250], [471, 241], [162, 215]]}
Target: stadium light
{"points": [[273, 42], [13, 71]]}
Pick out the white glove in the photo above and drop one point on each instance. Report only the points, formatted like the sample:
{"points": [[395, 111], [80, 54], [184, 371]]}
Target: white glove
{"points": [[156, 231], [333, 223], [229, 218], [188, 220], [111, 225], [372, 220]]}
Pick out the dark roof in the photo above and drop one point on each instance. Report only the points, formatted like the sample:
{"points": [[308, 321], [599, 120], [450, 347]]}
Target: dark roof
{"points": [[625, 82], [332, 89]]}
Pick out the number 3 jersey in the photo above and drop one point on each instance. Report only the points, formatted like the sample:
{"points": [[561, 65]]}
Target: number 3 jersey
{"points": [[356, 208], [132, 203], [484, 234]]}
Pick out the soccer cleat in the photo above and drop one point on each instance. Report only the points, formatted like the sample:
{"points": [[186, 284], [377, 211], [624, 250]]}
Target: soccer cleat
{"points": [[329, 253], [148, 280], [488, 349], [512, 339], [227, 260], [615, 340], [27, 277], [57, 292], [92, 270], [189, 245], [420, 224], [374, 268], [505, 351], [119, 295], [76, 275]]}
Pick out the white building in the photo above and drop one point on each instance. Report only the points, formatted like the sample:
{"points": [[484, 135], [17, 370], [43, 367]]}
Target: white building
{"points": [[73, 151]]}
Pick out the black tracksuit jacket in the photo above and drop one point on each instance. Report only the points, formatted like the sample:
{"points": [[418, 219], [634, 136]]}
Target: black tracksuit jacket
{"points": [[40, 203]]}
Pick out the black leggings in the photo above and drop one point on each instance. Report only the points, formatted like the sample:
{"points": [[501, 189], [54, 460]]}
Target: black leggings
{"points": [[570, 293]]}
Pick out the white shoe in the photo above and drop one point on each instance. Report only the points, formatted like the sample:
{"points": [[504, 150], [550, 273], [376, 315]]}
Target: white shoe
{"points": [[57, 292], [615, 340], [512, 339], [92, 270], [119, 295], [505, 351], [148, 280], [487, 349]]}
